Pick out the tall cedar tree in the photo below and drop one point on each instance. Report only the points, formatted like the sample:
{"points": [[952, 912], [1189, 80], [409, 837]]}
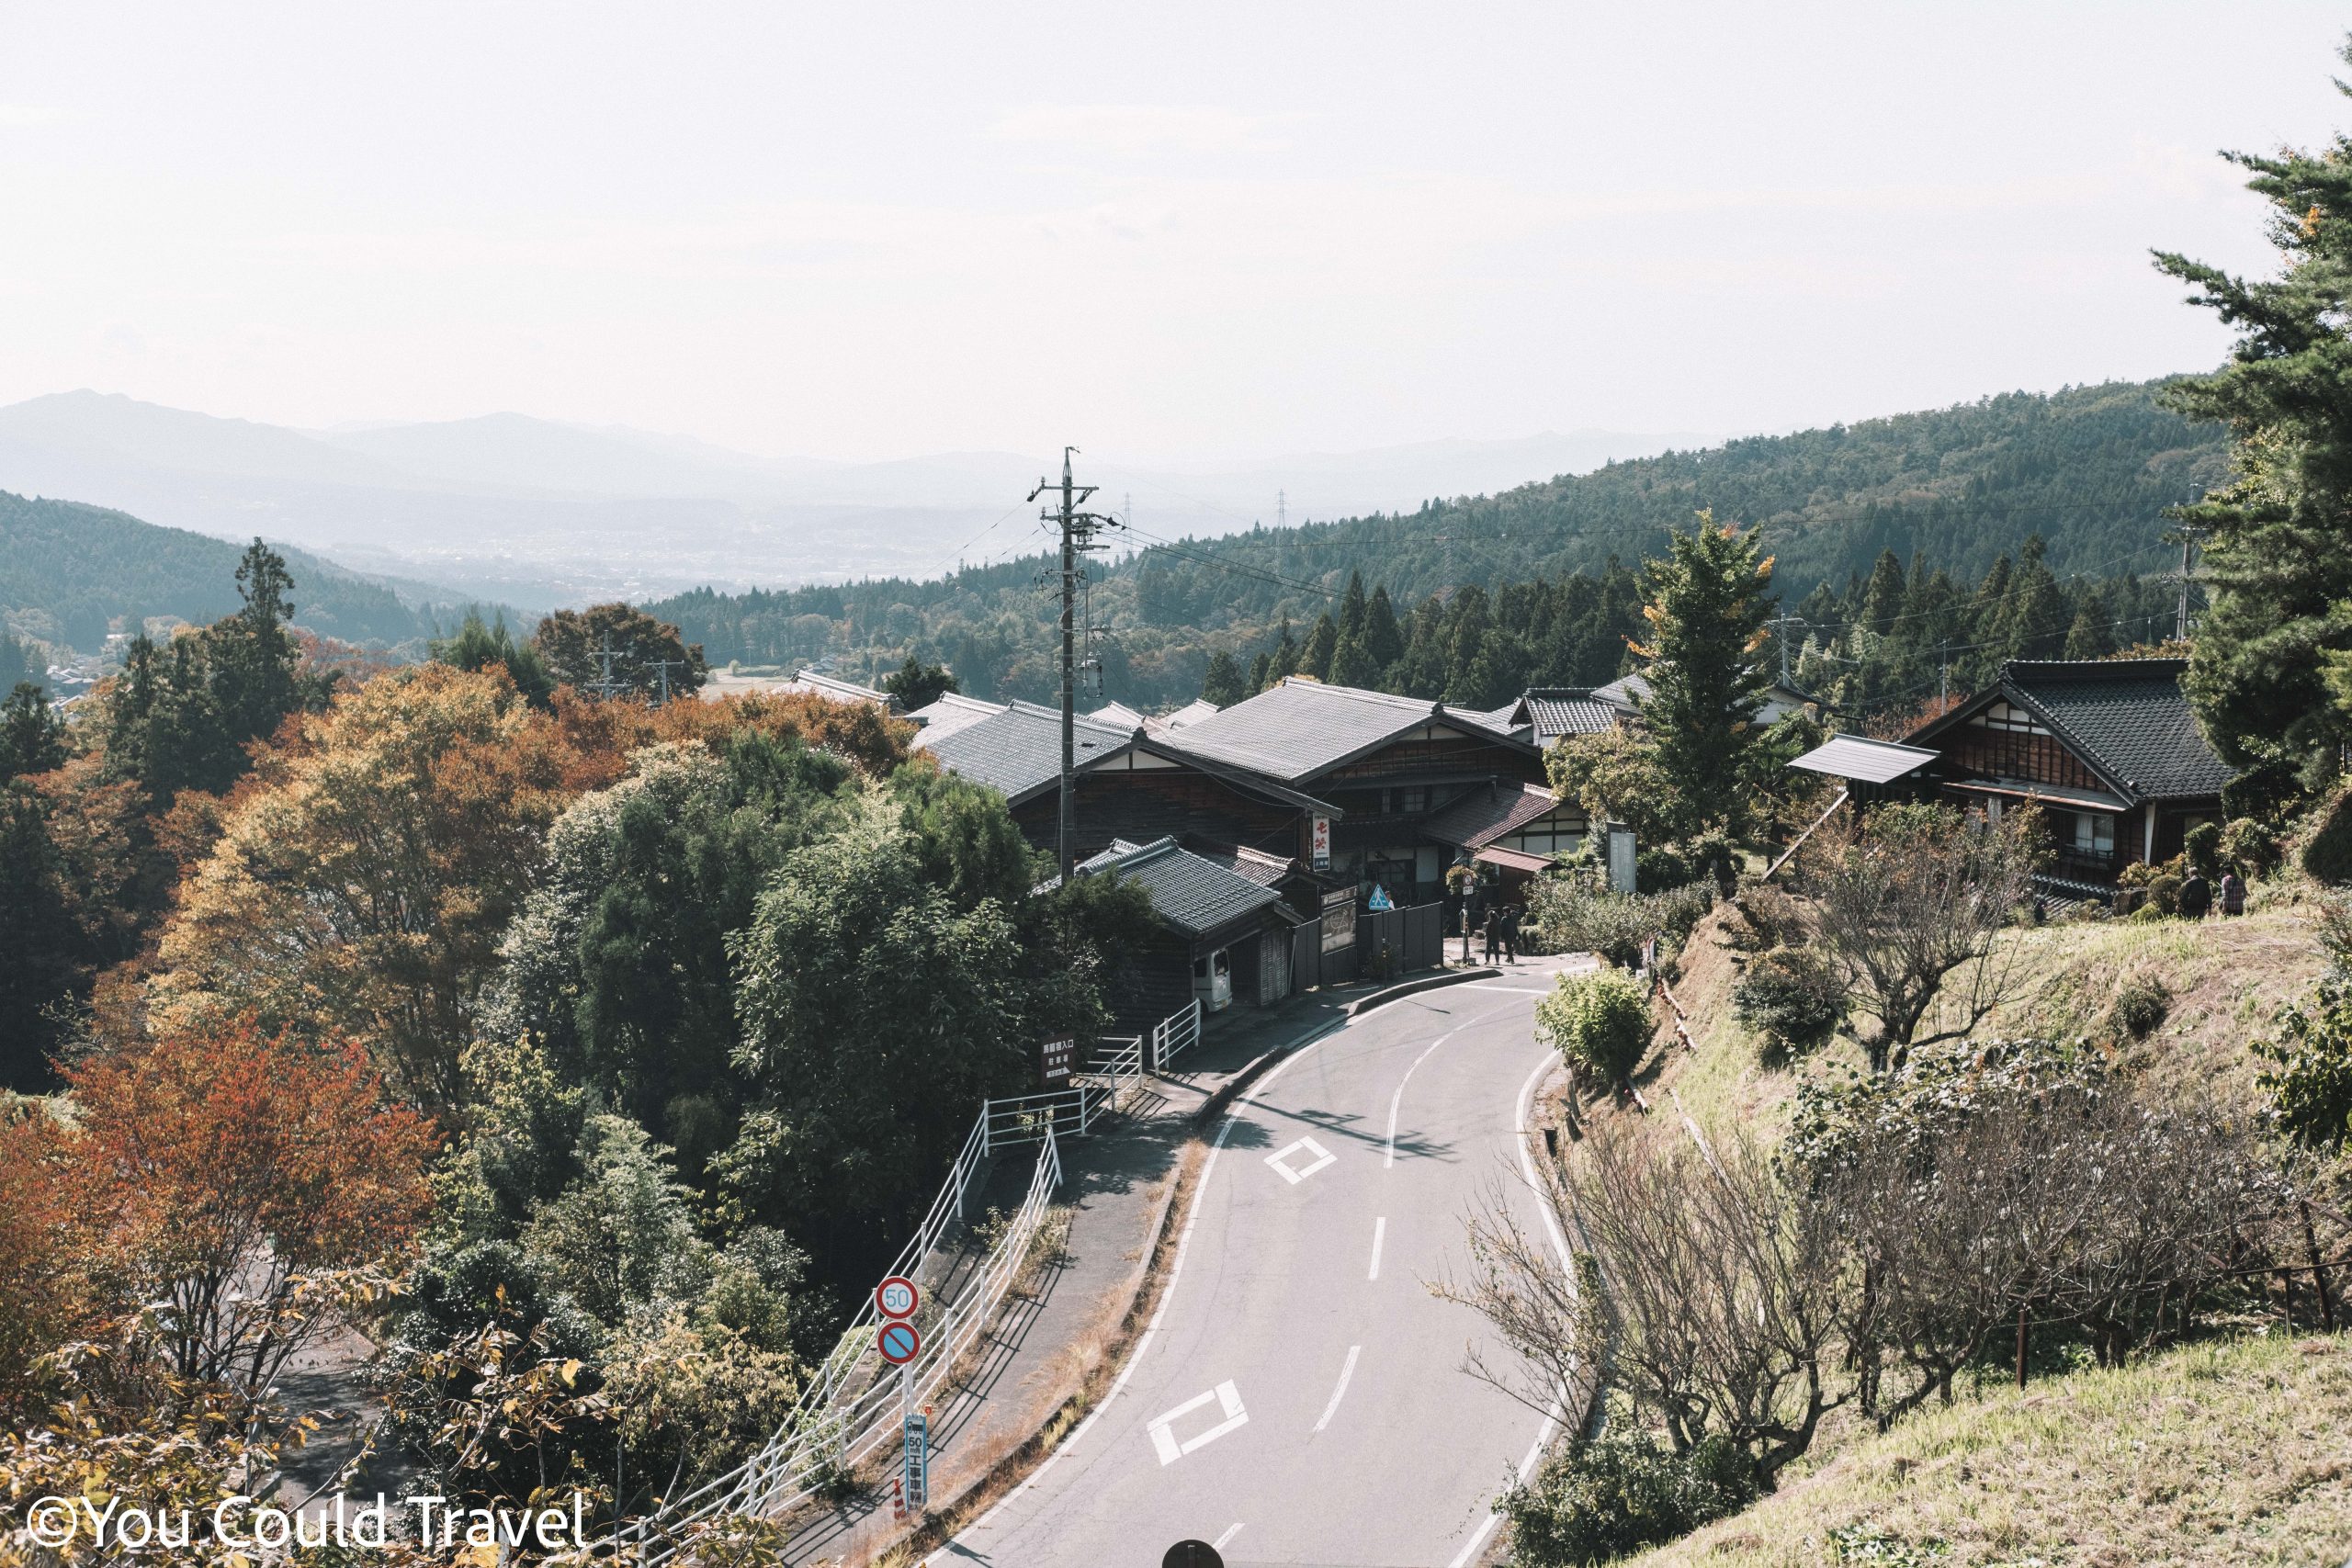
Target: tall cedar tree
{"points": [[2278, 536], [917, 685], [1223, 683], [1708, 603]]}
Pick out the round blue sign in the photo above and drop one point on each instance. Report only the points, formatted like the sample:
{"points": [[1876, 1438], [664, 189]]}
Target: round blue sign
{"points": [[899, 1343]]}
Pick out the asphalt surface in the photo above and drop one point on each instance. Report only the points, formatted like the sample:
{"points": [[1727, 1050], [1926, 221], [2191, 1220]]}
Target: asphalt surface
{"points": [[1300, 1400]]}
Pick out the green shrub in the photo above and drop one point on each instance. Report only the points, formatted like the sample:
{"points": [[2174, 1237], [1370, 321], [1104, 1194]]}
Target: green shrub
{"points": [[1600, 1023], [2159, 884], [2142, 1003], [1791, 997], [2328, 856], [2310, 1076], [1573, 917], [2202, 848], [1603, 1498], [1658, 867], [2251, 846]]}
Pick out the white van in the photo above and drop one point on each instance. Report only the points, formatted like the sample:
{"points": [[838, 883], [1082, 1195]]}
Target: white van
{"points": [[1213, 980]]}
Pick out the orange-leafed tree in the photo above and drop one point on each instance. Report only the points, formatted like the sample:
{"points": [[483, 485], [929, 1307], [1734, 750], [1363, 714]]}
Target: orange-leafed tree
{"points": [[45, 1288], [237, 1182], [359, 889]]}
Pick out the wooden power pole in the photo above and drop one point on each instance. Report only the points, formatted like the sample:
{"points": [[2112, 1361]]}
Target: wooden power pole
{"points": [[1077, 530]]}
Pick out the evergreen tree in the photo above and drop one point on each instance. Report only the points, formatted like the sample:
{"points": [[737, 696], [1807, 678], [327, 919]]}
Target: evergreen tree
{"points": [[1321, 643], [33, 737], [1352, 608], [2278, 536], [1383, 640], [1223, 683], [1883, 600], [917, 685], [1351, 664], [1709, 600], [478, 646], [1262, 674], [1285, 660]]}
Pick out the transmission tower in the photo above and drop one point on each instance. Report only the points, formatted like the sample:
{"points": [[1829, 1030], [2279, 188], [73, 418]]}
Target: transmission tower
{"points": [[1078, 532]]}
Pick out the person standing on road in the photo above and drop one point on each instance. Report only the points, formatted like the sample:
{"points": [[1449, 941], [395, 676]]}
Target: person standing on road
{"points": [[1493, 930], [2232, 892], [1510, 934]]}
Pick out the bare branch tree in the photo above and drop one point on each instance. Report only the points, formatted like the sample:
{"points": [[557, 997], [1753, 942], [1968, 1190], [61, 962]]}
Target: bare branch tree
{"points": [[1912, 900]]}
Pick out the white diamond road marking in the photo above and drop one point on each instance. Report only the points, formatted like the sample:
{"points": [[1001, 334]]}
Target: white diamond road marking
{"points": [[1164, 1440], [1323, 1156]]}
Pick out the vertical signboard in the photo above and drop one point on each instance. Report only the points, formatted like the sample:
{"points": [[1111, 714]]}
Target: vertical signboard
{"points": [[1322, 843]]}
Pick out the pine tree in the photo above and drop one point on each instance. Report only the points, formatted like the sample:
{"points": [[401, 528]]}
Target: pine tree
{"points": [[1262, 674], [1321, 643], [1285, 661], [2279, 536], [1883, 600], [1383, 638], [1352, 609], [1709, 600], [1222, 685]]}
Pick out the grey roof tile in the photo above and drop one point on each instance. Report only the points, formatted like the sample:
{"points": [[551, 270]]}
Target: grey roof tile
{"points": [[1295, 731], [1486, 814], [2129, 716], [1190, 892], [1019, 751]]}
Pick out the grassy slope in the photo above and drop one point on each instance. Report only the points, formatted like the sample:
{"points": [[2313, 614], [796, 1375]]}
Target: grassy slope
{"points": [[2227, 978], [2211, 1454], [2006, 1480]]}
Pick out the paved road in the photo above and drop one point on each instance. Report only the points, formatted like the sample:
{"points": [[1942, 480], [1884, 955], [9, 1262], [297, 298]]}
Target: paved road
{"points": [[1299, 1400]]}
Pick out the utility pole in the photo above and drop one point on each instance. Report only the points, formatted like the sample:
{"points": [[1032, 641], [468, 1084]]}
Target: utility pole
{"points": [[661, 671], [1781, 624], [1077, 530], [1943, 675], [2180, 619], [606, 687]]}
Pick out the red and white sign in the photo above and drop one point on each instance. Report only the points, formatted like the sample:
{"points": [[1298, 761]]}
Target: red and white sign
{"points": [[1322, 843], [898, 1342], [897, 1297]]}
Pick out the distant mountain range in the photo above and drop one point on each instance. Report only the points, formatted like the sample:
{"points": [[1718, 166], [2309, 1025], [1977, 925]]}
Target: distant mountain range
{"points": [[70, 573], [537, 513]]}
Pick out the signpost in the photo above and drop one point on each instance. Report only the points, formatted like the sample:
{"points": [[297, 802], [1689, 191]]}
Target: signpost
{"points": [[916, 1481], [1322, 843], [1055, 1059], [898, 1342], [897, 1297]]}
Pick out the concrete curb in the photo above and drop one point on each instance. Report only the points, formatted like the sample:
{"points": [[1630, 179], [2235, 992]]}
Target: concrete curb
{"points": [[1220, 1101], [1009, 1472], [1362, 1004]]}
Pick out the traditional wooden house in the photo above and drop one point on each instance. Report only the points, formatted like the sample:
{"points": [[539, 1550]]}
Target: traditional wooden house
{"points": [[1130, 784], [1388, 765], [2108, 748], [1223, 937]]}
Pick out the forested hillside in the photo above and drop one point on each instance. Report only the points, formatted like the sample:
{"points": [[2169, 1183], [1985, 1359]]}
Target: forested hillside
{"points": [[2090, 471], [69, 571]]}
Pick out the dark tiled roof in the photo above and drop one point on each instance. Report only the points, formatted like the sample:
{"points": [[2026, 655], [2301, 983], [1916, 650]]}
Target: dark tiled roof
{"points": [[1300, 729], [1190, 892], [1259, 867], [2128, 718], [1486, 814], [1554, 711], [1020, 749], [951, 712]]}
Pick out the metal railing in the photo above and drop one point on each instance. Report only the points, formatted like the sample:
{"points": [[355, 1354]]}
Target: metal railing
{"points": [[1107, 1084], [832, 1438], [1175, 1034]]}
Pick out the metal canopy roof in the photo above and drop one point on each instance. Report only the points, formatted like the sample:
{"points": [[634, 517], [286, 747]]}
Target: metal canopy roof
{"points": [[1859, 758]]}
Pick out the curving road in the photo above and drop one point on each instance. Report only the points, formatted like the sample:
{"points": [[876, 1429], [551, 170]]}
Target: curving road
{"points": [[1299, 1398]]}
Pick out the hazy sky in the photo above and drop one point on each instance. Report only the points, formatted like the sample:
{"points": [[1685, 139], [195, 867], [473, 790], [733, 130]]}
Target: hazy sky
{"points": [[1173, 232]]}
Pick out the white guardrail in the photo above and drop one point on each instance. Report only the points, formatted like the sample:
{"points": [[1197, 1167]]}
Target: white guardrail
{"points": [[1177, 1033], [850, 1409]]}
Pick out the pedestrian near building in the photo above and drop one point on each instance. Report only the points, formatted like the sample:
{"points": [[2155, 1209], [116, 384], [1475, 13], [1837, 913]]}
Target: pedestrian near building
{"points": [[2196, 896], [1493, 929], [2232, 892], [1510, 933]]}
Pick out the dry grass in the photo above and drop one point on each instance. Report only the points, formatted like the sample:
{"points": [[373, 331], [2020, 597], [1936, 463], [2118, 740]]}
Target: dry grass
{"points": [[2232, 1454]]}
